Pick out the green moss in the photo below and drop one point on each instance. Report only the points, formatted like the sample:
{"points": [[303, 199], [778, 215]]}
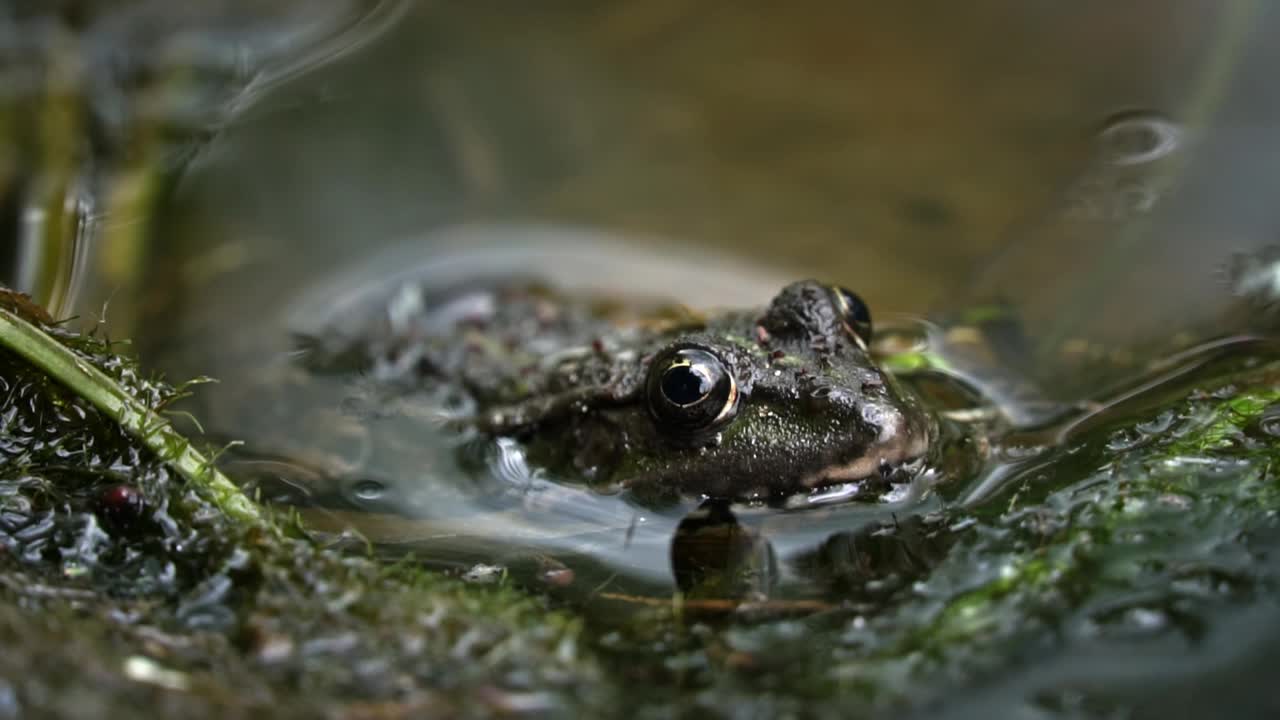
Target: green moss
{"points": [[125, 585], [914, 361], [1225, 422]]}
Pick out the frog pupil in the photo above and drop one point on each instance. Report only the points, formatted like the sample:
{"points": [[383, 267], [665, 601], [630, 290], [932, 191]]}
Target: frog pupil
{"points": [[685, 384], [691, 392]]}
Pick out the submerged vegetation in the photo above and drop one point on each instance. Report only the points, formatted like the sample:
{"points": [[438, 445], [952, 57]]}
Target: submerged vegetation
{"points": [[130, 578]]}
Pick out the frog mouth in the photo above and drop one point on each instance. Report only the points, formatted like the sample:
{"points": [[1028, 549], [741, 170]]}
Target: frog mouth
{"points": [[898, 442]]}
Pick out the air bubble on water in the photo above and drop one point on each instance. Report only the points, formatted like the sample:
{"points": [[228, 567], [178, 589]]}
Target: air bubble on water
{"points": [[368, 490], [1137, 137]]}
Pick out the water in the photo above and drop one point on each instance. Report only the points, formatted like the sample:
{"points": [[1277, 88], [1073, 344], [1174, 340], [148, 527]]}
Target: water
{"points": [[257, 178], [100, 102], [1138, 137], [457, 500]]}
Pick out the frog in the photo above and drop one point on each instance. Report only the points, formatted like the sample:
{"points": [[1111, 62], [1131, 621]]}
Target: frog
{"points": [[758, 404], [777, 454]]}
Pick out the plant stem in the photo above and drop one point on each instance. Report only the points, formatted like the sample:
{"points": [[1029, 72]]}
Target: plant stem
{"points": [[138, 420]]}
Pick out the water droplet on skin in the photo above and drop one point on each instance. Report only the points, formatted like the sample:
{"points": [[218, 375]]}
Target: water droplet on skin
{"points": [[1138, 136]]}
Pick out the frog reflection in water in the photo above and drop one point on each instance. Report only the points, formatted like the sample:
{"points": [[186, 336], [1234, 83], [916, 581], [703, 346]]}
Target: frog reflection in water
{"points": [[742, 405]]}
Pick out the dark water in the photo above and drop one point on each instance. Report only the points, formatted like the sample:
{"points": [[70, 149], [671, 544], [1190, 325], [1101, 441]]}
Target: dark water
{"points": [[1103, 172], [1068, 161]]}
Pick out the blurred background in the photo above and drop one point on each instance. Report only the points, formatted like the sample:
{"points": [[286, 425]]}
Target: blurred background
{"points": [[198, 176]]}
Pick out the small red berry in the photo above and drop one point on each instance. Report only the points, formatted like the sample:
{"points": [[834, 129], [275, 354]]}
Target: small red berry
{"points": [[121, 505]]}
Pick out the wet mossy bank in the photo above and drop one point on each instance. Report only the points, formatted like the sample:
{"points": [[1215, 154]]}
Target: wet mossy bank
{"points": [[125, 590], [1126, 571]]}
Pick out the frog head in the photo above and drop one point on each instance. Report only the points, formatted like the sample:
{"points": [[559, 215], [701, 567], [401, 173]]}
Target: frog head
{"points": [[749, 404]]}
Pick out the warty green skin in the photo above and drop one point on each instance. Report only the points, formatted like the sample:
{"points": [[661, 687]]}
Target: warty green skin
{"points": [[813, 407]]}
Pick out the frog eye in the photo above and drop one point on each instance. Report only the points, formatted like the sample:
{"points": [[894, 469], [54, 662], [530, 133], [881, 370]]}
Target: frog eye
{"points": [[690, 389], [855, 315]]}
